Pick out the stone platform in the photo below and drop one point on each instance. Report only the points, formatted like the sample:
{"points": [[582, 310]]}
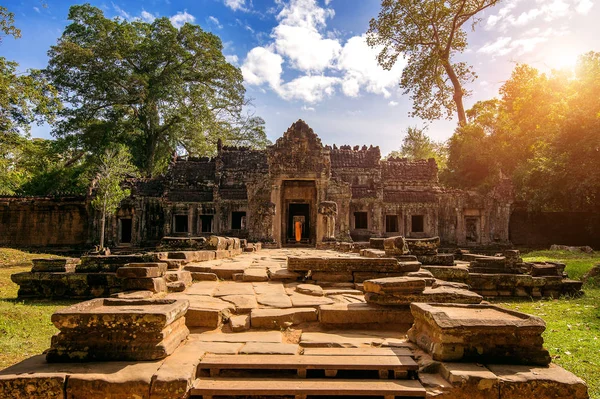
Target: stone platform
{"points": [[281, 315]]}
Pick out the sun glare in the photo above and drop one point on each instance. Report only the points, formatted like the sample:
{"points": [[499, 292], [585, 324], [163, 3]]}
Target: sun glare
{"points": [[562, 58]]}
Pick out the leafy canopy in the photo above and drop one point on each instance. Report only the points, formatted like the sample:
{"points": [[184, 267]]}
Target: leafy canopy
{"points": [[25, 98], [543, 132], [153, 87], [113, 167], [417, 145], [428, 34]]}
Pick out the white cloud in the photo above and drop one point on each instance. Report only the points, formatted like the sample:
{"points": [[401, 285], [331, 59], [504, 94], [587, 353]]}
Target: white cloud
{"points": [[302, 42], [146, 16], [36, 9], [308, 109], [310, 89], [584, 6], [262, 66], [306, 48], [236, 5], [393, 103], [121, 13], [215, 21], [526, 43], [179, 19], [499, 47], [232, 59], [298, 37], [528, 11], [359, 63]]}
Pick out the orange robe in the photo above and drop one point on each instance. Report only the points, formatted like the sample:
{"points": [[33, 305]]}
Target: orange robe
{"points": [[298, 231]]}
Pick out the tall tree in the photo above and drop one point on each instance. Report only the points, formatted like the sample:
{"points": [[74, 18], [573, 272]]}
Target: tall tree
{"points": [[417, 145], [151, 86], [115, 165], [428, 34], [25, 98]]}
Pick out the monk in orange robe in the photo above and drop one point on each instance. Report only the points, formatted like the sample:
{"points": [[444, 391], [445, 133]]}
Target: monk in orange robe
{"points": [[298, 231]]}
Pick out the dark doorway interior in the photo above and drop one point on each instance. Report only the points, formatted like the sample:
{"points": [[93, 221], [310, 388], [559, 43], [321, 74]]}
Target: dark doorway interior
{"points": [[206, 223], [126, 231], [302, 210], [181, 223]]}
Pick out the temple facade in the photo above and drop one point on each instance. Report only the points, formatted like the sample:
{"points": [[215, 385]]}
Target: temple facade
{"points": [[331, 193]]}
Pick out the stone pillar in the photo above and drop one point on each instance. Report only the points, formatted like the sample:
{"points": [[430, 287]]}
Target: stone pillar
{"points": [[329, 211]]}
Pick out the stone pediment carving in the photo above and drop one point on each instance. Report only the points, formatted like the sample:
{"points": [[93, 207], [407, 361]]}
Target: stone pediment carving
{"points": [[299, 152]]}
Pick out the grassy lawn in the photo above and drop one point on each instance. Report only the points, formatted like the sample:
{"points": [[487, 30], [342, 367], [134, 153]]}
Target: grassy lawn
{"points": [[572, 335], [25, 327], [572, 325]]}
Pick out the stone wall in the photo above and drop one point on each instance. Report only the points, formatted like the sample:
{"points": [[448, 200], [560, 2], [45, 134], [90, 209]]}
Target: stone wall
{"points": [[542, 229], [44, 222]]}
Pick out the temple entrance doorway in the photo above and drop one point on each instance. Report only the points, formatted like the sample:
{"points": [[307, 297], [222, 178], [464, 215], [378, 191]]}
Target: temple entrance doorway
{"points": [[298, 224], [299, 213]]}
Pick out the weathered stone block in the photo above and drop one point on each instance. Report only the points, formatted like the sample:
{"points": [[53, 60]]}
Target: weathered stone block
{"points": [[429, 295], [110, 263], [343, 265], [395, 285], [117, 329], [141, 272], [437, 260], [157, 284], [423, 246], [517, 382], [394, 246], [364, 313], [66, 265], [482, 333], [456, 274], [360, 277], [376, 243], [281, 318]]}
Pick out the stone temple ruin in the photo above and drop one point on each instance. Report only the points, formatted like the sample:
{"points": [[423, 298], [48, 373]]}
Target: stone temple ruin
{"points": [[380, 308]]}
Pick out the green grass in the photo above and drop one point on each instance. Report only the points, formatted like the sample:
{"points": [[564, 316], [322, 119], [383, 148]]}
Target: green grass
{"points": [[578, 263], [572, 333], [25, 327]]}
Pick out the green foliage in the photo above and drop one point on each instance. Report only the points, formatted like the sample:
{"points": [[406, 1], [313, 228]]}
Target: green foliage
{"points": [[7, 24], [40, 167], [150, 86], [114, 166], [543, 132], [417, 145], [428, 34]]}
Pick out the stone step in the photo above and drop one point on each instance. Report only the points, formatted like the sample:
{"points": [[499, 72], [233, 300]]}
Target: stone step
{"points": [[364, 313], [276, 319], [209, 387], [342, 265], [370, 351], [400, 366]]}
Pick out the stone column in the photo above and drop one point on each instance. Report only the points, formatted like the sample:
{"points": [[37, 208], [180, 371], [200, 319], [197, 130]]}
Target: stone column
{"points": [[329, 211]]}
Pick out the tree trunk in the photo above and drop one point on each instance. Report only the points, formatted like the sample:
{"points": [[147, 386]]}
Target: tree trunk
{"points": [[458, 93], [103, 226]]}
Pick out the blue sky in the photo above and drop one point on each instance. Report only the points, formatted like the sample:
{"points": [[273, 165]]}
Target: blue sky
{"points": [[308, 58]]}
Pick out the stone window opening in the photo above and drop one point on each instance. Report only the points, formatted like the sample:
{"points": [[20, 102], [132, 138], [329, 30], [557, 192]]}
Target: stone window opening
{"points": [[206, 223], [180, 223], [361, 220], [391, 224], [417, 223], [238, 220]]}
